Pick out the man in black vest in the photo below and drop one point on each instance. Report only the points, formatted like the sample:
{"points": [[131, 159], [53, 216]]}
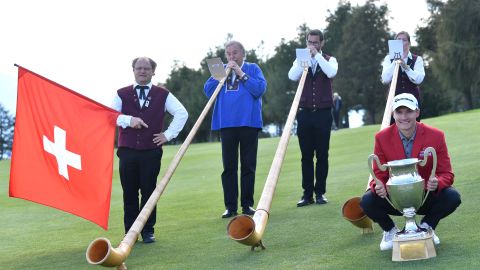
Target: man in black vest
{"points": [[411, 73], [314, 118], [140, 139]]}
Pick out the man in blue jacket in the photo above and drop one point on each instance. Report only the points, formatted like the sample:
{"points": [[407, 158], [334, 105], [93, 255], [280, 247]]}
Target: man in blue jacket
{"points": [[238, 116]]}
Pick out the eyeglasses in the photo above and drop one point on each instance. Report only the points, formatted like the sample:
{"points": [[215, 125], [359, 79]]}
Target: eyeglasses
{"points": [[313, 42], [143, 68]]}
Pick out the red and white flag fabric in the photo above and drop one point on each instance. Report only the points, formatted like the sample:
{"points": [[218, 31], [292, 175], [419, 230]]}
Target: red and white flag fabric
{"points": [[62, 149]]}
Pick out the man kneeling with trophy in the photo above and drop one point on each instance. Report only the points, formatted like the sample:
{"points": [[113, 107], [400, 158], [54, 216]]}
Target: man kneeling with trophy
{"points": [[398, 146]]}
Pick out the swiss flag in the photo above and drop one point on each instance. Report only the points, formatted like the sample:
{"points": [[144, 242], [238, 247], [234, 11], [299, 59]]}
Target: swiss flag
{"points": [[62, 149]]}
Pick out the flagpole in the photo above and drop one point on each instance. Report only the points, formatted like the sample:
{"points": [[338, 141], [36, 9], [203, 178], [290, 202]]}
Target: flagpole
{"points": [[100, 250]]}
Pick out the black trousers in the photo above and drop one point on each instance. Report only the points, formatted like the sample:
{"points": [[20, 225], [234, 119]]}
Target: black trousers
{"points": [[245, 138], [139, 170], [313, 133], [436, 207]]}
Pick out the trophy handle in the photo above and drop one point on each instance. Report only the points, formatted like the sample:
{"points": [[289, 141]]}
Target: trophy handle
{"points": [[434, 165], [371, 158]]}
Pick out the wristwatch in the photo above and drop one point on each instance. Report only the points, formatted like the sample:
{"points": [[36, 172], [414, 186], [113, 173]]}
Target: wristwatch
{"points": [[244, 77]]}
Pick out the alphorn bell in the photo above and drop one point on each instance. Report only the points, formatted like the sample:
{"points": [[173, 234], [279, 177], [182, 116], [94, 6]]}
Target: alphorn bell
{"points": [[100, 250], [245, 229], [351, 210]]}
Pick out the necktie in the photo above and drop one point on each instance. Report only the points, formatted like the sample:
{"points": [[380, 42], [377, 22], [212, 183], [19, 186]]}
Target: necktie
{"points": [[142, 91], [314, 66]]}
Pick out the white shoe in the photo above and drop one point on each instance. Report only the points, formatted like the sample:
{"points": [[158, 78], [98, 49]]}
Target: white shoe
{"points": [[387, 240], [435, 238]]}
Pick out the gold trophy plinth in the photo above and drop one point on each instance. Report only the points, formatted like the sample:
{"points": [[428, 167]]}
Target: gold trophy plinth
{"points": [[405, 189], [413, 248]]}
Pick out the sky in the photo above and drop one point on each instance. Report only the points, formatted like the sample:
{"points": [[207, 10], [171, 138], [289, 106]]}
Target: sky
{"points": [[88, 45]]}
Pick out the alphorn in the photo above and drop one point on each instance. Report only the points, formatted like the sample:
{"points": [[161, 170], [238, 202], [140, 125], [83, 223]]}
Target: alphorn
{"points": [[100, 250], [351, 209], [391, 94], [245, 229], [387, 115]]}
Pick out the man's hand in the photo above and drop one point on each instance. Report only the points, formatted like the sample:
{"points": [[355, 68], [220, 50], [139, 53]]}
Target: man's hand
{"points": [[235, 67], [137, 123], [432, 183], [159, 139], [381, 191], [404, 65], [313, 50]]}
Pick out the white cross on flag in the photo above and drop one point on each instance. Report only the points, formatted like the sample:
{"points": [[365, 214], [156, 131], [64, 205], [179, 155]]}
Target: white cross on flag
{"points": [[63, 156], [62, 149]]}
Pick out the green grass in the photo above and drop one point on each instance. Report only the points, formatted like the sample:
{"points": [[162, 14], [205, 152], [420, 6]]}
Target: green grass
{"points": [[191, 235]]}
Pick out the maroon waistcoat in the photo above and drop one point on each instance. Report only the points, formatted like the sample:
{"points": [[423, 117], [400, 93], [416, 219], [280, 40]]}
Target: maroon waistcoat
{"points": [[152, 114], [317, 90], [404, 85]]}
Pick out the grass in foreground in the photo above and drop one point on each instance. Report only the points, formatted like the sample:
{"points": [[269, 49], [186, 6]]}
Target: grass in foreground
{"points": [[191, 235]]}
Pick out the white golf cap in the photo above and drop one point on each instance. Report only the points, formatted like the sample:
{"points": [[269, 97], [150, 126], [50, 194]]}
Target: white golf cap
{"points": [[407, 100]]}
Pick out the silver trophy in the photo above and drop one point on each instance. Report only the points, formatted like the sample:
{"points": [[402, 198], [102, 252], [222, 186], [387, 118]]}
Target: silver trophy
{"points": [[406, 194]]}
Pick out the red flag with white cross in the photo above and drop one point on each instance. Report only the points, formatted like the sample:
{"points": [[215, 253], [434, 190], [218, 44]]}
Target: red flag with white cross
{"points": [[62, 149]]}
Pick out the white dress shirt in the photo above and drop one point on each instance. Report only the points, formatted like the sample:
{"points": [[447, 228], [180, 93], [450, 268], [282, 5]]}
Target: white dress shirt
{"points": [[415, 75], [172, 105], [330, 67]]}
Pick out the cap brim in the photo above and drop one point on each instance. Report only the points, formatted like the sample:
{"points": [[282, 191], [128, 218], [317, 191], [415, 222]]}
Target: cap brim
{"points": [[404, 104]]}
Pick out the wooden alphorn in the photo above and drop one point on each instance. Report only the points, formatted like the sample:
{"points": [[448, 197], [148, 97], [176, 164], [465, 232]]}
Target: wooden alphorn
{"points": [[353, 204], [245, 229], [387, 115]]}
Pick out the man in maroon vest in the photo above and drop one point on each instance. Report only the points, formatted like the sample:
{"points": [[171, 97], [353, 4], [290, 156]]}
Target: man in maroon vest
{"points": [[315, 118], [140, 139], [411, 73]]}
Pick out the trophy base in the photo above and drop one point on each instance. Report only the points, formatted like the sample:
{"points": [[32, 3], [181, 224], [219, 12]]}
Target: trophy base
{"points": [[409, 247]]}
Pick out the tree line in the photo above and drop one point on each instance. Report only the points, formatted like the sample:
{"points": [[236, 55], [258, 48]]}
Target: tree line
{"points": [[357, 36], [7, 121]]}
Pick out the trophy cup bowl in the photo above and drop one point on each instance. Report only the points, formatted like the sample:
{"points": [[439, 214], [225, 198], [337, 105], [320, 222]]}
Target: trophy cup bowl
{"points": [[406, 190], [405, 186]]}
